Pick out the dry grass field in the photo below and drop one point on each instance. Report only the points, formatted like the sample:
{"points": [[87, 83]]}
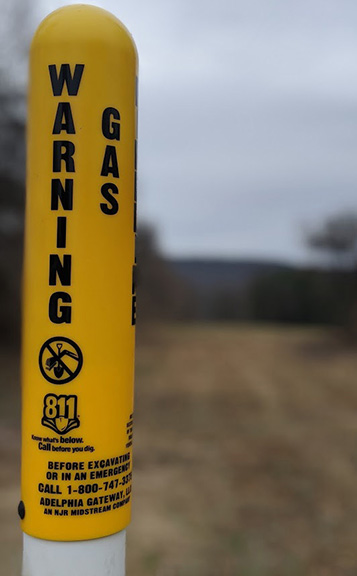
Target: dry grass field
{"points": [[245, 454]]}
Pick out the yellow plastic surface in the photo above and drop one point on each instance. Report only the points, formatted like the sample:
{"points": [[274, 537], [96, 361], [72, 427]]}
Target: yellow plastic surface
{"points": [[79, 290]]}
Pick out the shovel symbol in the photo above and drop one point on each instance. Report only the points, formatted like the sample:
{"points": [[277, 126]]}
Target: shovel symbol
{"points": [[60, 360], [55, 362]]}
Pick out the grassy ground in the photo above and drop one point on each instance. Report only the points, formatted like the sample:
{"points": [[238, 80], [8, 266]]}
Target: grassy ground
{"points": [[245, 455]]}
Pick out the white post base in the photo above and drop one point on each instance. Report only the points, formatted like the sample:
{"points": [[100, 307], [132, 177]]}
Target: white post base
{"points": [[100, 557]]}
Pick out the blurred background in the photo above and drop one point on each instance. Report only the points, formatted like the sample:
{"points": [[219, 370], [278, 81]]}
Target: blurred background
{"points": [[246, 396]]}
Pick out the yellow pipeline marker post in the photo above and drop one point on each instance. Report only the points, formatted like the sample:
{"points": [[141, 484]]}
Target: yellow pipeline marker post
{"points": [[79, 287]]}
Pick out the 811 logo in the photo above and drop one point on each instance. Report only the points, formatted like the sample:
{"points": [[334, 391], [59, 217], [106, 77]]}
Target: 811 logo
{"points": [[60, 413]]}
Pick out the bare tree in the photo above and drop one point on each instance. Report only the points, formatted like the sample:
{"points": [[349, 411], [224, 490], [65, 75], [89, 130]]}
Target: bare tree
{"points": [[337, 238], [16, 27], [15, 33]]}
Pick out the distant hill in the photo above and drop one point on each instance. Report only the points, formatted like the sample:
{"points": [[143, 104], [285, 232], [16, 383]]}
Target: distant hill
{"points": [[242, 290], [221, 275], [218, 289]]}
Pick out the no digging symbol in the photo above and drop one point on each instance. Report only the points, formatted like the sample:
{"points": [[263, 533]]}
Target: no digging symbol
{"points": [[60, 360]]}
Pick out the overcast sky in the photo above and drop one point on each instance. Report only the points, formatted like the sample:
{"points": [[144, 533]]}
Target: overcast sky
{"points": [[248, 120]]}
